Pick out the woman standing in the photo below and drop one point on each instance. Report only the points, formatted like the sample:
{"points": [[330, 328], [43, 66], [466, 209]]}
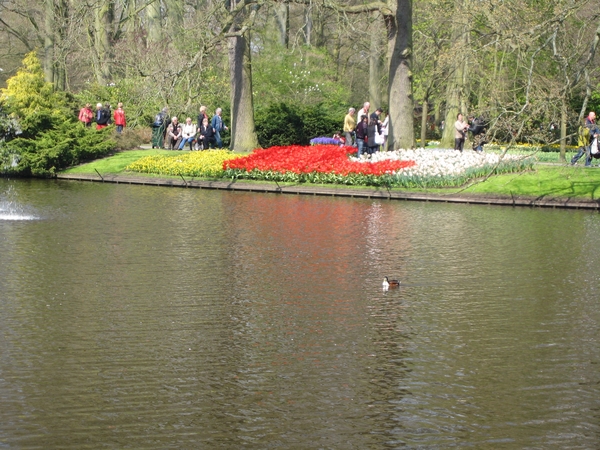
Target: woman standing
{"points": [[372, 130], [361, 135], [120, 118], [86, 115], [349, 126], [385, 129]]}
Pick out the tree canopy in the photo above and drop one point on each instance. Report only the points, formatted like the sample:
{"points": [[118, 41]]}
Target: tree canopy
{"points": [[522, 65]]}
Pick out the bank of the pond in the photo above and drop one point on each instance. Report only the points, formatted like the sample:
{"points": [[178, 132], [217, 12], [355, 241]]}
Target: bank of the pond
{"points": [[464, 196], [549, 185]]}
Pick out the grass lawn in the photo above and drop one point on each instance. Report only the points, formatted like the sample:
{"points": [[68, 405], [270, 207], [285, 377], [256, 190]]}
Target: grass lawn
{"points": [[544, 181], [117, 162], [547, 180]]}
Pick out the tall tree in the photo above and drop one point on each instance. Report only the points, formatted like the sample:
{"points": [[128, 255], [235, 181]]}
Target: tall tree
{"points": [[282, 19], [456, 87], [397, 16], [399, 28], [243, 134], [375, 60], [104, 14]]}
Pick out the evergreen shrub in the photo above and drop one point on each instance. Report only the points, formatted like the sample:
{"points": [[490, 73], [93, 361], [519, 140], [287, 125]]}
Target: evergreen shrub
{"points": [[49, 137], [55, 149]]}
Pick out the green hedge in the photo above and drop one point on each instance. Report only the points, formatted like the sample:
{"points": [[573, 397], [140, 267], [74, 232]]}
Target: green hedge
{"points": [[288, 124]]}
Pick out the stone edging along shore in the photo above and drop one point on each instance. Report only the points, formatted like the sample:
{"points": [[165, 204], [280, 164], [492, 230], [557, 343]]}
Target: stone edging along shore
{"points": [[372, 193]]}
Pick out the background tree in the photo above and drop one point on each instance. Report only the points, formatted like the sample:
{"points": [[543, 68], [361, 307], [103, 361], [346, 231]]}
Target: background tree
{"points": [[523, 65]]}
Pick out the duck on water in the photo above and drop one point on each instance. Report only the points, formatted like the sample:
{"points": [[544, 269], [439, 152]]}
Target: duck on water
{"points": [[387, 283]]}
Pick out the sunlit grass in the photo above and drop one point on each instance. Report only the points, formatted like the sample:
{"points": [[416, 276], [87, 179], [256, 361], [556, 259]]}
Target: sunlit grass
{"points": [[544, 181], [115, 163]]}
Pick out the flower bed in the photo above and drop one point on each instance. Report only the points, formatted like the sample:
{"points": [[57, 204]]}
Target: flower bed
{"points": [[207, 163], [325, 141], [440, 168], [313, 164], [336, 165]]}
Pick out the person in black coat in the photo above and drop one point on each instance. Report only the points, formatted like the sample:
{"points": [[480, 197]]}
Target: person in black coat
{"points": [[207, 134], [372, 130], [477, 129], [102, 117], [361, 135]]}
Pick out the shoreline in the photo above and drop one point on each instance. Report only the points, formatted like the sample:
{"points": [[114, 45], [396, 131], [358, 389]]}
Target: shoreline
{"points": [[338, 191]]}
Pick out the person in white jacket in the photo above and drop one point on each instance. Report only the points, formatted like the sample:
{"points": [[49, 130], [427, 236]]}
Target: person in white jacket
{"points": [[188, 133]]}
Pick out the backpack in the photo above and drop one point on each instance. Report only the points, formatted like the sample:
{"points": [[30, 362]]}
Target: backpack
{"points": [[583, 136], [158, 120]]}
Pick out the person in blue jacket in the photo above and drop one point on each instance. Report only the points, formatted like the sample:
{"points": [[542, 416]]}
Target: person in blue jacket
{"points": [[219, 126]]}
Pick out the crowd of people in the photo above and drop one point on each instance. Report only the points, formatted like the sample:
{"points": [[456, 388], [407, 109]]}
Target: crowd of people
{"points": [[103, 116], [168, 133], [368, 133]]}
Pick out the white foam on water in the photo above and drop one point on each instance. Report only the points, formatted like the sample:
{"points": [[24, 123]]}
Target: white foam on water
{"points": [[13, 216], [10, 210]]}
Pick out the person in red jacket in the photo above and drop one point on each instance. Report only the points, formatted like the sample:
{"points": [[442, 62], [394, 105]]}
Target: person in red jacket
{"points": [[120, 118], [86, 115]]}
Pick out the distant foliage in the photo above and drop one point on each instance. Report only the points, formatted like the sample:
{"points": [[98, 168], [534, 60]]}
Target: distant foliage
{"points": [[42, 135], [286, 76], [285, 124]]}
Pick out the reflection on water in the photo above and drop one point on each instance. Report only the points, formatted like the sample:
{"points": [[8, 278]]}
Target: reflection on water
{"points": [[151, 317]]}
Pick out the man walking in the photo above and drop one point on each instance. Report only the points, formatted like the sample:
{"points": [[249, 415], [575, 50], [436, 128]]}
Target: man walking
{"points": [[477, 128], [158, 128], [217, 124], [587, 132]]}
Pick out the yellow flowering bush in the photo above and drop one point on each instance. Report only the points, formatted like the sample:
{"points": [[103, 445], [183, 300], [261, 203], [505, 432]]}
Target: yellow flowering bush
{"points": [[207, 163]]}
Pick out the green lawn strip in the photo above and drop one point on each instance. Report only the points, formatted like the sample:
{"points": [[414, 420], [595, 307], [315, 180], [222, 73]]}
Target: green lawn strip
{"points": [[116, 163], [545, 181]]}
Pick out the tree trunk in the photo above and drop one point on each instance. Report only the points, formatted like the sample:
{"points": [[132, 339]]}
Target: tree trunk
{"points": [[455, 95], [49, 40], [308, 25], [563, 131], [243, 133], [424, 122], [436, 114], [61, 55], [154, 22], [132, 25], [103, 34], [399, 28], [375, 66], [282, 19], [174, 16]]}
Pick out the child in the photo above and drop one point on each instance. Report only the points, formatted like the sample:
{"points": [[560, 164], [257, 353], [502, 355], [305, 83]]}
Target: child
{"points": [[339, 137]]}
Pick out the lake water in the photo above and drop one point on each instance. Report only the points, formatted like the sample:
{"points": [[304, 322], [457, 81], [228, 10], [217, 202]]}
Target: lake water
{"points": [[146, 317]]}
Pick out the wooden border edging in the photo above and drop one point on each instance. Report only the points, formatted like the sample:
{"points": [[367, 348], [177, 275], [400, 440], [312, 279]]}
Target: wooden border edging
{"points": [[338, 192]]}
